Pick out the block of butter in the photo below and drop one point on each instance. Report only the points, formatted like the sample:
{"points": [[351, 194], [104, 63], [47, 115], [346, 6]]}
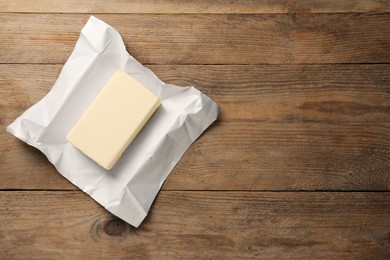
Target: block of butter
{"points": [[113, 119]]}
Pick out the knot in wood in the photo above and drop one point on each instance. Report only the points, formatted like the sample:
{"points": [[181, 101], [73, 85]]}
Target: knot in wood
{"points": [[115, 227]]}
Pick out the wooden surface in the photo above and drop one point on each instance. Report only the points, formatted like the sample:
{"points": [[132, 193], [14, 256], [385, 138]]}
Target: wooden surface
{"points": [[296, 167], [207, 38]]}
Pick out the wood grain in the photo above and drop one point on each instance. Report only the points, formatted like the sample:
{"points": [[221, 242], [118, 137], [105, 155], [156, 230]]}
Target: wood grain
{"points": [[207, 38], [291, 93], [303, 88], [295, 127], [210, 225], [247, 157], [200, 6], [262, 93]]}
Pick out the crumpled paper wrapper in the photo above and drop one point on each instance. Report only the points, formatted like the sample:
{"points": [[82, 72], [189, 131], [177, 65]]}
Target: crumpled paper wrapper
{"points": [[128, 189]]}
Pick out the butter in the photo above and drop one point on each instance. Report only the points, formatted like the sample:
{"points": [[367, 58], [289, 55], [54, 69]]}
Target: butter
{"points": [[114, 119]]}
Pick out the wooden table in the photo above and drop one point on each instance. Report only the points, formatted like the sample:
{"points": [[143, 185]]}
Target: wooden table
{"points": [[297, 165]]}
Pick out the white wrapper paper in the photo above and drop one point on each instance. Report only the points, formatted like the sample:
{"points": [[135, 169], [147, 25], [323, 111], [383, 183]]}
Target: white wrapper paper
{"points": [[128, 189]]}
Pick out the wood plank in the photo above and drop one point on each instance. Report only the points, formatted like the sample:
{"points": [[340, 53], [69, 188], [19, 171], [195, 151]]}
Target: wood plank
{"points": [[207, 38], [284, 148], [246, 157], [291, 93], [262, 93], [287, 157], [210, 225], [200, 6]]}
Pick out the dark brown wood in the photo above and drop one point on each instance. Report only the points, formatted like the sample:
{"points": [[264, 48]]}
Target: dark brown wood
{"points": [[208, 225], [265, 132], [207, 38]]}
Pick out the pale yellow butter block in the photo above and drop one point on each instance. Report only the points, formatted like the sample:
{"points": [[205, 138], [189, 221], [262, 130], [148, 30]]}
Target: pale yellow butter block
{"points": [[114, 119]]}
